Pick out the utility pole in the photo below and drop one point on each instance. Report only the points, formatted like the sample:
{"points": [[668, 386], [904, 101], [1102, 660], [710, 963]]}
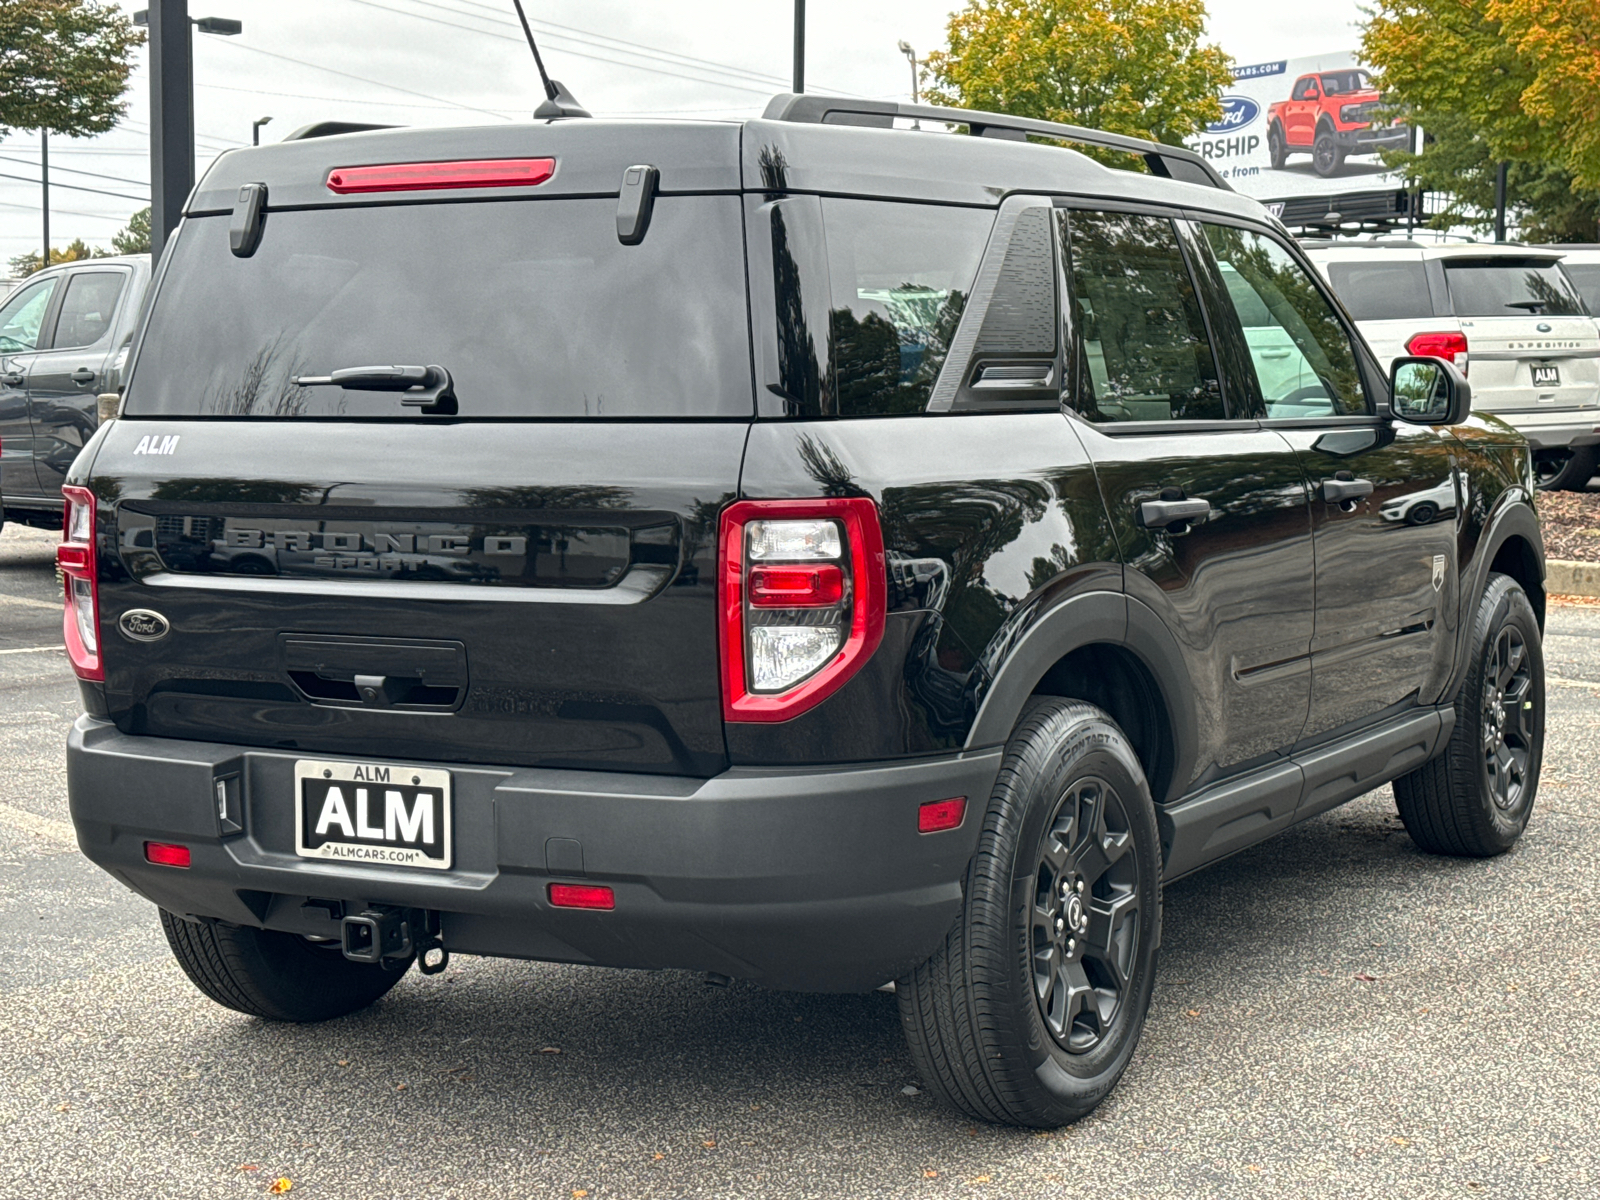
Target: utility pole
{"points": [[44, 170], [799, 45], [1500, 202]]}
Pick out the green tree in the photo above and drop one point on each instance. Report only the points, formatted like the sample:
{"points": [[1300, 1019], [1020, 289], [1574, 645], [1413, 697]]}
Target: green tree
{"points": [[64, 65], [1492, 81], [1126, 66], [26, 264], [135, 237]]}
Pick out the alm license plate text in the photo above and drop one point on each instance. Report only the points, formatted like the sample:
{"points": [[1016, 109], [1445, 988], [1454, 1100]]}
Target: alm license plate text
{"points": [[386, 814], [1546, 375]]}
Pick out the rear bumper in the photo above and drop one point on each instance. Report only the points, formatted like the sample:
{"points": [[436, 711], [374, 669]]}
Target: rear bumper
{"points": [[810, 880], [1554, 430]]}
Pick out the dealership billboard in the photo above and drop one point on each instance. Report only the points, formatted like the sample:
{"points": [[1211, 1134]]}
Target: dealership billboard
{"points": [[1302, 127]]}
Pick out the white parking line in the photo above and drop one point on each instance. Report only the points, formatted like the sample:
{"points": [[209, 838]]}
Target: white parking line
{"points": [[45, 827], [32, 650], [1557, 681], [28, 602]]}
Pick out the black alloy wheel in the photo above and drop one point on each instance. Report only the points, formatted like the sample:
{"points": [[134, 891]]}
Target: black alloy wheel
{"points": [[1509, 718], [1086, 918], [1326, 157], [1566, 469], [1422, 513]]}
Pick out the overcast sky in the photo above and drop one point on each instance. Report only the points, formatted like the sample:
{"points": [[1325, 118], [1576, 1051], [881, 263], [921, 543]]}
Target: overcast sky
{"points": [[448, 62]]}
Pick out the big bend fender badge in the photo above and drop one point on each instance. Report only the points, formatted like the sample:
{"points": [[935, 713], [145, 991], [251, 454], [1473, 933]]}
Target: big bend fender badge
{"points": [[143, 625]]}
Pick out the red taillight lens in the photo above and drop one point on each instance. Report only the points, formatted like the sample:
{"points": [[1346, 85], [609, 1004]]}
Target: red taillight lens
{"points": [[75, 559], [581, 895], [421, 177], [796, 587], [938, 815], [164, 854], [1447, 346], [803, 599]]}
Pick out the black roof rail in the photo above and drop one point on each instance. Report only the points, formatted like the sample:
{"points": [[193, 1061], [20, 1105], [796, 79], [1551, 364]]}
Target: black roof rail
{"points": [[330, 128], [1169, 162]]}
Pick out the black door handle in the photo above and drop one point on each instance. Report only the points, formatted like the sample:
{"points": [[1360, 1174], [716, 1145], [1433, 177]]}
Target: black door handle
{"points": [[83, 375], [1158, 514], [1336, 491], [12, 379]]}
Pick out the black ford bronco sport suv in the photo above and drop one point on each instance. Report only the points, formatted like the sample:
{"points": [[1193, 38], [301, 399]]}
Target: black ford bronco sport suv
{"points": [[812, 550]]}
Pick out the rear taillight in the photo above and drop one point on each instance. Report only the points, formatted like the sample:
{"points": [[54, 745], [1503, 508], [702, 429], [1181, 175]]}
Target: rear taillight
{"points": [[803, 593], [75, 558], [1449, 346]]}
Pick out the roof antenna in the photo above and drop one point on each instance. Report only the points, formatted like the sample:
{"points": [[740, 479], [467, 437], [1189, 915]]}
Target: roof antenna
{"points": [[558, 102]]}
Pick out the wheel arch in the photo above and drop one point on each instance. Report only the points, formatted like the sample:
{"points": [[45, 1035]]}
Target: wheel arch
{"points": [[1513, 545], [1111, 651]]}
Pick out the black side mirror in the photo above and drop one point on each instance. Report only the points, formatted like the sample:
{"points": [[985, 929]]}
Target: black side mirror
{"points": [[1429, 391]]}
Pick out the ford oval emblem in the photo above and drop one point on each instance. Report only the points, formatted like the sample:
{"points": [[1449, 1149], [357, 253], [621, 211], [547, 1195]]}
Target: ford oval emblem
{"points": [[142, 625], [1237, 112], [1543, 327]]}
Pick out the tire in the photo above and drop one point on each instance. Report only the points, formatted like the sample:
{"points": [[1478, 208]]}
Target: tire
{"points": [[278, 976], [1459, 803], [983, 1039], [1277, 149], [1567, 470], [1423, 513], [1326, 157]]}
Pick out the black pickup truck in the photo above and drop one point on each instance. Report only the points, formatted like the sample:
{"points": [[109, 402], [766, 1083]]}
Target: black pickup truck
{"points": [[850, 546]]}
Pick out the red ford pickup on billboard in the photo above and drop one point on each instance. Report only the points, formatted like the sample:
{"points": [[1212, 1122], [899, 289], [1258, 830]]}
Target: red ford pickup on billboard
{"points": [[1330, 115]]}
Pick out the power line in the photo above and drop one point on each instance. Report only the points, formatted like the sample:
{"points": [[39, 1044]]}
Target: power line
{"points": [[75, 171], [33, 208], [339, 99], [72, 187]]}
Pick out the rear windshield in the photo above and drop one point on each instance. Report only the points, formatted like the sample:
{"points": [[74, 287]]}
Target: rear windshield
{"points": [[1507, 287], [1382, 291], [1586, 276], [533, 307]]}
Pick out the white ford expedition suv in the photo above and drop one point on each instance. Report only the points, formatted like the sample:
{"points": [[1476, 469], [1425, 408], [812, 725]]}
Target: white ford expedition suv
{"points": [[1510, 316]]}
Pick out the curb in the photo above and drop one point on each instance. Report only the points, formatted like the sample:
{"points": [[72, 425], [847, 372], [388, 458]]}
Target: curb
{"points": [[1563, 577]]}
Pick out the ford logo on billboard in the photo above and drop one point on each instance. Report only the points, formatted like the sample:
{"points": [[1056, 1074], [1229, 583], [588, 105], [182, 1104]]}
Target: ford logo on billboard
{"points": [[1237, 112]]}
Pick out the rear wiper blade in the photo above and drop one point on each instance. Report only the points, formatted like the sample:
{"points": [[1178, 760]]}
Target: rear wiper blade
{"points": [[1530, 305], [429, 388]]}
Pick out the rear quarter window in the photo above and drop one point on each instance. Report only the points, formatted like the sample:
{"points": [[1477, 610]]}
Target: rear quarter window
{"points": [[1586, 278], [534, 307], [1382, 291]]}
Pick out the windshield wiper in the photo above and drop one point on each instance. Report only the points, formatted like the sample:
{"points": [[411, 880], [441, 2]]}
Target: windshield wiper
{"points": [[1533, 306], [429, 388]]}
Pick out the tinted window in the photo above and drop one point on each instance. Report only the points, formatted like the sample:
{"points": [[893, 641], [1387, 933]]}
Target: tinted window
{"points": [[1304, 363], [87, 308], [1143, 350], [1382, 291], [23, 313], [899, 275], [1586, 278], [534, 307], [1510, 287], [1342, 83], [1305, 89]]}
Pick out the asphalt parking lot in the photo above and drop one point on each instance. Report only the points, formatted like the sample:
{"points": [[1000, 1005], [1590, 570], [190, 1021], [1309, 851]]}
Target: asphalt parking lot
{"points": [[1337, 1015]]}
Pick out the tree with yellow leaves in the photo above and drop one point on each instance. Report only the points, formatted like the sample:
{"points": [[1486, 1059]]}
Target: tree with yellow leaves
{"points": [[1127, 66]]}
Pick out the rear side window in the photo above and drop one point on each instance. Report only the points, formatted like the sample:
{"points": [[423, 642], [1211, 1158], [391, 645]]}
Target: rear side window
{"points": [[1511, 287], [899, 276], [1143, 350], [1382, 291], [534, 308], [87, 307], [1586, 278]]}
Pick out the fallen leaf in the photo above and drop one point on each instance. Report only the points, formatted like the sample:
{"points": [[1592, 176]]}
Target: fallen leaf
{"points": [[657, 1156], [979, 1179], [1252, 1167], [248, 1167], [1472, 1183], [550, 1050], [709, 1145], [63, 1107], [1194, 1012], [399, 1087], [579, 1193], [344, 1062], [1365, 978], [280, 1185], [1042, 1133], [1400, 1141], [930, 1174]]}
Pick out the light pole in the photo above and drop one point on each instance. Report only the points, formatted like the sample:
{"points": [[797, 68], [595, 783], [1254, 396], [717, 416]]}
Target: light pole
{"points": [[905, 48], [44, 171], [799, 45], [255, 130], [172, 108]]}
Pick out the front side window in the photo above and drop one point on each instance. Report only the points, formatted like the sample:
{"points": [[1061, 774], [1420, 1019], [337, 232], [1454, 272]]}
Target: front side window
{"points": [[1304, 363], [87, 307], [23, 314], [1505, 286], [900, 275], [1143, 351]]}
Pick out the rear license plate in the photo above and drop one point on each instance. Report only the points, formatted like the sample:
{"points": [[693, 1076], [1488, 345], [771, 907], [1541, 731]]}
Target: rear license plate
{"points": [[1546, 375], [386, 814]]}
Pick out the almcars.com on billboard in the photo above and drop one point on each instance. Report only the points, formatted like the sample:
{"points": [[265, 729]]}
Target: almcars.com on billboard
{"points": [[1302, 127]]}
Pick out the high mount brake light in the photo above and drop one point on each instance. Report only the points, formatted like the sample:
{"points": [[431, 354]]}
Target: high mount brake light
{"points": [[1450, 346], [80, 575], [802, 596], [419, 177]]}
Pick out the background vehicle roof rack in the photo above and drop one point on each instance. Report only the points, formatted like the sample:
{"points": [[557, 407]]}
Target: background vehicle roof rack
{"points": [[330, 128], [1169, 162]]}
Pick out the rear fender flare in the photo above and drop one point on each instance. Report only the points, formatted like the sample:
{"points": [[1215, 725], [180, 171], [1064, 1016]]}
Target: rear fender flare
{"points": [[1093, 618]]}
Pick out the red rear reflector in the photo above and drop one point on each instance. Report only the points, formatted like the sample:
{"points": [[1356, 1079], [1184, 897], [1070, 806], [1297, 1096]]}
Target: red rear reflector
{"points": [[796, 587], [76, 557], [1438, 345], [163, 854], [581, 895], [417, 177], [938, 815]]}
